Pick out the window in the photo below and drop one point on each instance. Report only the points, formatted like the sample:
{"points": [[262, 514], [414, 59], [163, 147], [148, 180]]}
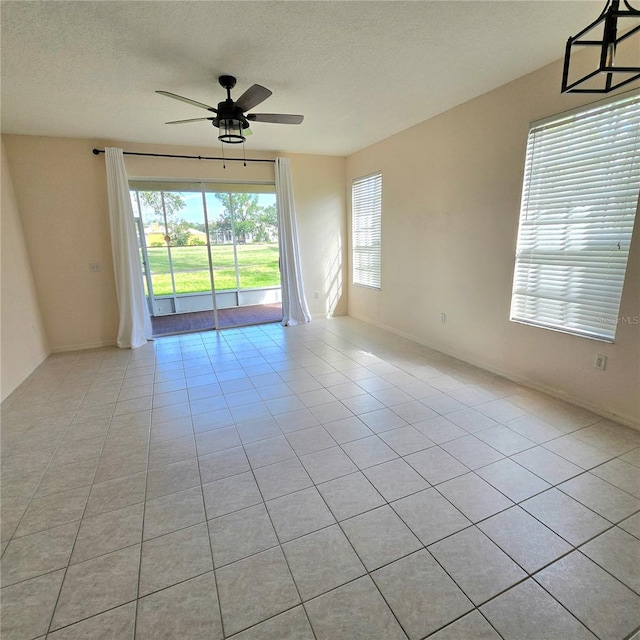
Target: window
{"points": [[366, 214], [579, 199]]}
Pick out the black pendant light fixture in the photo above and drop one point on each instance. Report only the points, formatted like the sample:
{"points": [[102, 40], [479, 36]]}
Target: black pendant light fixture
{"points": [[607, 52]]}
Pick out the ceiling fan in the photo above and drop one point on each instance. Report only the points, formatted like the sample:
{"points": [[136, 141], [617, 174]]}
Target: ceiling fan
{"points": [[231, 117]]}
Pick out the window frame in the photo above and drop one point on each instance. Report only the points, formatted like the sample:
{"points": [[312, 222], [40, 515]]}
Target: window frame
{"points": [[565, 232], [369, 250]]}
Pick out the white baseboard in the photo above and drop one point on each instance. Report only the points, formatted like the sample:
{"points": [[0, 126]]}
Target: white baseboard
{"points": [[628, 421], [82, 347], [325, 316]]}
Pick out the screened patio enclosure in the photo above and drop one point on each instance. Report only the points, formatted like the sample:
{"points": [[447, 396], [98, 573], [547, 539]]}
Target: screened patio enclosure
{"points": [[207, 246]]}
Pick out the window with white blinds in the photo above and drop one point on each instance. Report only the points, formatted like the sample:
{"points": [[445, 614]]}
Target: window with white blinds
{"points": [[579, 200], [366, 216]]}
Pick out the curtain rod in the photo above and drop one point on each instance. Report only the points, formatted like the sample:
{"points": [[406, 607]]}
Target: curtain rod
{"points": [[168, 155]]}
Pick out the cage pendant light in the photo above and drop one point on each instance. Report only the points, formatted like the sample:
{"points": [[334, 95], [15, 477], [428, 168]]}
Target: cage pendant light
{"points": [[231, 131], [605, 55]]}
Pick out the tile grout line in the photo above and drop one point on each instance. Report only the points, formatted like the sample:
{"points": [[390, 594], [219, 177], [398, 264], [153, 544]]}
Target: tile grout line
{"points": [[280, 543], [213, 564], [144, 511], [66, 569], [279, 546], [367, 571]]}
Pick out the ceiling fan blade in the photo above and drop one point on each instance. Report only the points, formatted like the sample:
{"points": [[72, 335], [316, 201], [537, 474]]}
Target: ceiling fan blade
{"points": [[252, 97], [195, 103], [189, 120], [278, 118]]}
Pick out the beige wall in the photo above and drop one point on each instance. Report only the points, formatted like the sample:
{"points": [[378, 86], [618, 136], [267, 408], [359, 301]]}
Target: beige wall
{"points": [[61, 190], [451, 195], [23, 344]]}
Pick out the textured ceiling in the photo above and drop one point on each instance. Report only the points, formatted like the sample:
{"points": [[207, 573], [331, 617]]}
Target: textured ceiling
{"points": [[358, 71]]}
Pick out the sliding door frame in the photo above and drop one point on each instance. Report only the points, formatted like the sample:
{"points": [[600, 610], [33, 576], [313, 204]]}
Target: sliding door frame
{"points": [[163, 186]]}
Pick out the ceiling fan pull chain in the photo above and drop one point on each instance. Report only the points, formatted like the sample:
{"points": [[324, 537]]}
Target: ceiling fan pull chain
{"points": [[244, 155], [224, 166]]}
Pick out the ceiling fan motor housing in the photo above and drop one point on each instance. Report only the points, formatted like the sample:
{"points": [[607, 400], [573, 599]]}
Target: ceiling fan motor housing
{"points": [[231, 122]]}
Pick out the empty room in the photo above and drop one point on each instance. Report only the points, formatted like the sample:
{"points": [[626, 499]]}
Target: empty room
{"points": [[320, 320]]}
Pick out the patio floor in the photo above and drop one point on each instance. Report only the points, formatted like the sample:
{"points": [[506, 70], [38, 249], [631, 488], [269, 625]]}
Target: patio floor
{"points": [[203, 320]]}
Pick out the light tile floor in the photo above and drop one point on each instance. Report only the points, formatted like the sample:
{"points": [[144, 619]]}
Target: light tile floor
{"points": [[328, 481]]}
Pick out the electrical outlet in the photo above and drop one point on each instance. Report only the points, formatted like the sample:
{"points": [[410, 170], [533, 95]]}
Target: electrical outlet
{"points": [[600, 362], [95, 267], [443, 317]]}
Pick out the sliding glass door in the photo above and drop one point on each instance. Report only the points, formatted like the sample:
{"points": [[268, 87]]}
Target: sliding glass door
{"points": [[208, 247]]}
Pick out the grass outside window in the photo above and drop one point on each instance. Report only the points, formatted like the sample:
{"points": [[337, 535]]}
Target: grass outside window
{"points": [[258, 266]]}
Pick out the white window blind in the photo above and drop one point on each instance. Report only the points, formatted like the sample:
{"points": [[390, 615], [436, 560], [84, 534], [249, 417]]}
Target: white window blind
{"points": [[579, 199], [366, 212]]}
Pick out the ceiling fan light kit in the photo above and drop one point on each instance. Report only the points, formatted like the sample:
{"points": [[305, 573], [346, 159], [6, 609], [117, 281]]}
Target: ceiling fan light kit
{"points": [[231, 131], [614, 37], [230, 118]]}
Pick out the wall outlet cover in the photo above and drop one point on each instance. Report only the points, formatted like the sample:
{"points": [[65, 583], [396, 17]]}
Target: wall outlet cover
{"points": [[600, 362]]}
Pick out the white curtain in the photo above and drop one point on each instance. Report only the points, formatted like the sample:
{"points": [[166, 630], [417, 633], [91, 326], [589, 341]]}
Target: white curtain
{"points": [[294, 305], [135, 325]]}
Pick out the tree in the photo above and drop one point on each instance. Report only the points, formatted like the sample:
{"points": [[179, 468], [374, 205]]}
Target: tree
{"points": [[181, 234], [252, 222], [177, 227], [266, 224]]}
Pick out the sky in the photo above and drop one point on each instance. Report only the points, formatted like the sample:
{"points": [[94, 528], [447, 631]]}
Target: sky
{"points": [[193, 210]]}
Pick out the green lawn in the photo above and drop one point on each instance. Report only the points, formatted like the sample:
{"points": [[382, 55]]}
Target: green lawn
{"points": [[257, 266]]}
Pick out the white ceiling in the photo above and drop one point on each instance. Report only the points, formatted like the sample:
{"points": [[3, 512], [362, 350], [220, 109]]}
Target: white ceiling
{"points": [[358, 71]]}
